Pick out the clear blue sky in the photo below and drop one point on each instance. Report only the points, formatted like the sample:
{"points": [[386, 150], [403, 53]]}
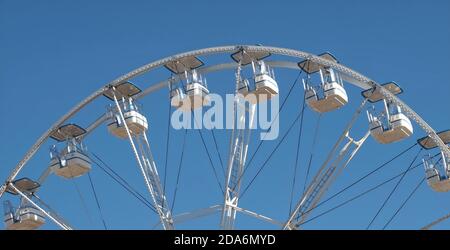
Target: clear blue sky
{"points": [[55, 53]]}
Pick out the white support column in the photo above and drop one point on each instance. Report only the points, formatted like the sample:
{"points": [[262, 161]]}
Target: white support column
{"points": [[327, 173], [322, 182], [153, 176], [156, 196], [259, 216], [445, 164], [51, 211], [51, 217], [238, 154], [349, 75]]}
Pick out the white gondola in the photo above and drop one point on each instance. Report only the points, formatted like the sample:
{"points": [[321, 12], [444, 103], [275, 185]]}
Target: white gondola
{"points": [[329, 95], [265, 85], [195, 94], [71, 162], [439, 183], [24, 218], [389, 126], [136, 122]]}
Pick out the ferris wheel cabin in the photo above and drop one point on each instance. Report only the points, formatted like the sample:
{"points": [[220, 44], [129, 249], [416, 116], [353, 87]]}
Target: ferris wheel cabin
{"points": [[194, 93], [437, 181], [330, 94], [390, 125], [132, 116], [26, 217], [72, 161], [264, 85]]}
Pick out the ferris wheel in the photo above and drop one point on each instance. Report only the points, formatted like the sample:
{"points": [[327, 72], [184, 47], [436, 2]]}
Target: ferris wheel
{"points": [[324, 83]]}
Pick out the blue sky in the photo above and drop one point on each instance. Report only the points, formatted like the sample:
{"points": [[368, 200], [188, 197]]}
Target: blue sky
{"points": [[55, 53]]}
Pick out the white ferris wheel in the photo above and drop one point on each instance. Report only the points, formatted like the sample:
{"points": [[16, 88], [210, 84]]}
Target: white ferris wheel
{"points": [[324, 84]]}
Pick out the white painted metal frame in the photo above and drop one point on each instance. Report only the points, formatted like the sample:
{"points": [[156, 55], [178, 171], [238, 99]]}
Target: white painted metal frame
{"points": [[327, 173], [349, 75], [183, 217], [52, 212], [239, 141], [148, 170], [203, 212], [51, 217]]}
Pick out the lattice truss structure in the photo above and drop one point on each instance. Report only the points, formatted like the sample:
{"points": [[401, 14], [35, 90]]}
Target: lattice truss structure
{"points": [[188, 91]]}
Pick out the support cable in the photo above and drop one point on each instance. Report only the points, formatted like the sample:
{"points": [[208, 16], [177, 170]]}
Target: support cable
{"points": [[357, 196], [276, 117], [144, 167], [368, 174], [409, 197], [83, 202], [97, 201], [311, 155], [297, 156], [51, 211], [271, 154], [167, 148], [122, 182], [209, 157], [57, 222], [404, 202], [179, 171], [393, 190], [218, 151]]}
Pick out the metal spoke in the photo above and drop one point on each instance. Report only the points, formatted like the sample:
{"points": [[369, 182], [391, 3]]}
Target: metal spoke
{"points": [[48, 214], [239, 141]]}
